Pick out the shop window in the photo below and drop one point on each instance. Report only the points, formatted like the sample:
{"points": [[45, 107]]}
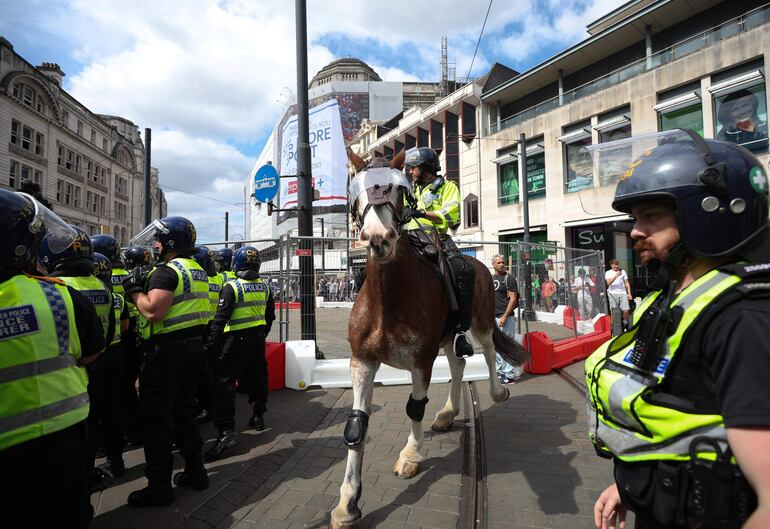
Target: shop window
{"points": [[575, 139], [680, 108], [508, 173], [471, 210]]}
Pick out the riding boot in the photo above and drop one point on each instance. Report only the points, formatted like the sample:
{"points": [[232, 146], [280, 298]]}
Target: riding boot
{"points": [[465, 286]]}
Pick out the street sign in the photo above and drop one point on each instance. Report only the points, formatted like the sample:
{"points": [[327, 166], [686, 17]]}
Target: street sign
{"points": [[265, 183], [303, 252]]}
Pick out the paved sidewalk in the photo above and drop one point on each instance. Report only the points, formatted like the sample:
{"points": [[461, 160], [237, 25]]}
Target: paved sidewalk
{"points": [[542, 471]]}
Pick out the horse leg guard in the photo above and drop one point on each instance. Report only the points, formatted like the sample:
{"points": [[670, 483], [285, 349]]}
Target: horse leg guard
{"points": [[466, 283], [355, 428], [415, 409]]}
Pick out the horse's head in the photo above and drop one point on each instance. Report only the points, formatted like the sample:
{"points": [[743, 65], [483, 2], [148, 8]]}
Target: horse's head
{"points": [[376, 197]]}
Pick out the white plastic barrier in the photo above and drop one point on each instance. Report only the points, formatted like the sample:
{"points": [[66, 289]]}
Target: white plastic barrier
{"points": [[303, 370]]}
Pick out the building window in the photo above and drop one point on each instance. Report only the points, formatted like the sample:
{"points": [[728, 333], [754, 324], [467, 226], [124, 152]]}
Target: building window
{"points": [[65, 118], [423, 138], [68, 190], [38, 176], [60, 155], [508, 173], [741, 117], [59, 190], [469, 122], [681, 108], [104, 144], [577, 160], [15, 125], [452, 155], [80, 128], [39, 142], [93, 137], [28, 96], [77, 163], [26, 138], [76, 197], [471, 209], [436, 136], [89, 200], [12, 174], [101, 204], [69, 162]]}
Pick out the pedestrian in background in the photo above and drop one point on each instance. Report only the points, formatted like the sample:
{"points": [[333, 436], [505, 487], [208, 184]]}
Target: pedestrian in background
{"points": [[618, 288], [506, 301]]}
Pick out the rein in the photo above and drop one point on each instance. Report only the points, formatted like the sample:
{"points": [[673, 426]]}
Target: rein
{"points": [[379, 195]]}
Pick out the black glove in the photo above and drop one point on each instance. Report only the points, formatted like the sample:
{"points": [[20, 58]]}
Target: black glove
{"points": [[411, 213], [134, 281]]}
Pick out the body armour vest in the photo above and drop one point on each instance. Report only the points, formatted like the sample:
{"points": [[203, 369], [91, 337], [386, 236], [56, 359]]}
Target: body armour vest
{"points": [[215, 287], [250, 303], [42, 390], [95, 291]]}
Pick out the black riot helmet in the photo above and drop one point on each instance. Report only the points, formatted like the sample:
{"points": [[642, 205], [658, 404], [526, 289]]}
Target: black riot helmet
{"points": [[103, 269], [246, 258], [718, 189], [108, 246], [423, 157], [173, 233], [138, 256], [77, 256], [227, 259], [202, 256]]}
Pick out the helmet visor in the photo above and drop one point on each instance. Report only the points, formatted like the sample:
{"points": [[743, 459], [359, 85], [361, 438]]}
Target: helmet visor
{"points": [[376, 177], [60, 235], [148, 236], [615, 161]]}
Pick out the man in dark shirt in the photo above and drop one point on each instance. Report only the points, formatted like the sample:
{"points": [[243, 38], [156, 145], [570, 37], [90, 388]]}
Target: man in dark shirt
{"points": [[506, 301]]}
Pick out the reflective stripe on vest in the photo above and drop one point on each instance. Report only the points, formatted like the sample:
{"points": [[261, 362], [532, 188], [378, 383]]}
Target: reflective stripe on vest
{"points": [[118, 302], [191, 303], [95, 291], [215, 287], [621, 419], [41, 388], [118, 275], [227, 275], [250, 302]]}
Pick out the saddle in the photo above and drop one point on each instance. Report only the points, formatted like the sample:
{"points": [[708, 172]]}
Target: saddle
{"points": [[428, 246]]}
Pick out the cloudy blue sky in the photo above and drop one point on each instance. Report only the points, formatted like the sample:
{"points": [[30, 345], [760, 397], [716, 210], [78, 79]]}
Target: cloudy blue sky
{"points": [[210, 78]]}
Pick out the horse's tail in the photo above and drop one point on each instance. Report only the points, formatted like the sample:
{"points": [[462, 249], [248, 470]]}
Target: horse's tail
{"points": [[513, 352]]}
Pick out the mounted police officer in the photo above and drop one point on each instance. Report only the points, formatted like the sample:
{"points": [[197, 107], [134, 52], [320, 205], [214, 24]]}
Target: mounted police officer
{"points": [[437, 205], [681, 402], [173, 302], [75, 266], [245, 313], [47, 330]]}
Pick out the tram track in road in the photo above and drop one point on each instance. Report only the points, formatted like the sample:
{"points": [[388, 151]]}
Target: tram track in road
{"points": [[474, 478], [576, 384]]}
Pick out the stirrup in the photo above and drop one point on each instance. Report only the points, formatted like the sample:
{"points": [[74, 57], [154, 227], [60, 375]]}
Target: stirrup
{"points": [[461, 345]]}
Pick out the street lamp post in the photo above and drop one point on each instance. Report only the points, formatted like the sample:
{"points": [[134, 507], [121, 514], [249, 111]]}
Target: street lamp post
{"points": [[323, 245], [528, 313]]}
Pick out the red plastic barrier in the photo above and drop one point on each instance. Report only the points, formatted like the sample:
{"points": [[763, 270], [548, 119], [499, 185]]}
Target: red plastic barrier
{"points": [[547, 355], [287, 306], [275, 353], [567, 317]]}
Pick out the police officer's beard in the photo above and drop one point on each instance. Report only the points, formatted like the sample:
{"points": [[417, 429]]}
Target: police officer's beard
{"points": [[671, 264]]}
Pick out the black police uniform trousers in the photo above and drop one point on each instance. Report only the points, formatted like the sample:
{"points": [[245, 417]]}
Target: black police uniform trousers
{"points": [[167, 386], [132, 360], [105, 420], [43, 481], [243, 353]]}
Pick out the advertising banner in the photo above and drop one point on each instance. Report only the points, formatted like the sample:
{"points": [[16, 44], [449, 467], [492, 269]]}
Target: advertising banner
{"points": [[328, 158]]}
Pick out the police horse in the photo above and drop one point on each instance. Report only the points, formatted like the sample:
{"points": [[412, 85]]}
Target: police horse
{"points": [[401, 318]]}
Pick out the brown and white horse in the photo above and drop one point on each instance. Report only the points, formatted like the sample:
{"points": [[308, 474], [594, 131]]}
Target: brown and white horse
{"points": [[401, 318]]}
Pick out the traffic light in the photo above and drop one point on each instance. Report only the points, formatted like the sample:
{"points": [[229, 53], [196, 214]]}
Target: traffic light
{"points": [[270, 208]]}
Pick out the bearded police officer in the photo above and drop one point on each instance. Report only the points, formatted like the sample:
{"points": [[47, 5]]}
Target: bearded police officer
{"points": [[173, 301], [47, 329], [437, 206], [245, 314], [681, 402]]}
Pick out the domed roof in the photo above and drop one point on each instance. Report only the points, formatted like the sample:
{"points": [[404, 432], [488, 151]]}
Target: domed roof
{"points": [[345, 69]]}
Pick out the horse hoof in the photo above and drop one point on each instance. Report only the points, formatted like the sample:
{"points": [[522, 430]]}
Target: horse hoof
{"points": [[442, 424], [345, 521], [406, 469], [504, 396]]}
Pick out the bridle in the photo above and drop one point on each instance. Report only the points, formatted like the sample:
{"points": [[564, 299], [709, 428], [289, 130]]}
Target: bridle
{"points": [[380, 194]]}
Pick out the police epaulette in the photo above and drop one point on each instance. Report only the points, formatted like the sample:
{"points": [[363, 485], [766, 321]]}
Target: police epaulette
{"points": [[47, 279], [753, 271]]}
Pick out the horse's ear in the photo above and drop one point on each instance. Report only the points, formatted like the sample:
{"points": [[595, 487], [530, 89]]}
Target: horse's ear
{"points": [[398, 161], [356, 160]]}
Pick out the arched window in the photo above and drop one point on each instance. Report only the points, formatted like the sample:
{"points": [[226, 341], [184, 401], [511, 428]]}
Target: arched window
{"points": [[123, 236], [31, 95], [471, 210], [117, 232]]}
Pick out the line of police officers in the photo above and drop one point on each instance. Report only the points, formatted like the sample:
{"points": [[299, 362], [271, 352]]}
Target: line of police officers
{"points": [[69, 322]]}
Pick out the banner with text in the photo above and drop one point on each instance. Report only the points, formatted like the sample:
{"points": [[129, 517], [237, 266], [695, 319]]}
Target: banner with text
{"points": [[328, 157]]}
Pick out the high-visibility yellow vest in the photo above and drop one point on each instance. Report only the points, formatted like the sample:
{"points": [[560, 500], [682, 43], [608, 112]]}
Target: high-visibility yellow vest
{"points": [[444, 202], [118, 302], [118, 275], [227, 275], [631, 416], [250, 302], [215, 287], [42, 390], [191, 300], [95, 291]]}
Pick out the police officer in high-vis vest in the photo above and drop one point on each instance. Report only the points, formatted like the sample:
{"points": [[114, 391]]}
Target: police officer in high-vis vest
{"points": [[75, 266], [47, 330], [244, 316], [203, 256], [681, 401], [225, 264], [134, 257], [174, 302], [110, 428], [435, 204]]}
